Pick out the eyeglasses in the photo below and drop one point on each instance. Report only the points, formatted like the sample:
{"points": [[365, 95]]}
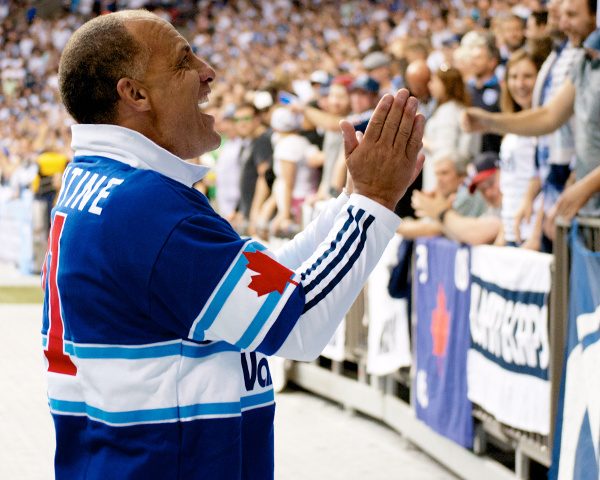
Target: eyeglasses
{"points": [[242, 119]]}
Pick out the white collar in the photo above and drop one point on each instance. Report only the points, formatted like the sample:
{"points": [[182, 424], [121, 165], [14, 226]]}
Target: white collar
{"points": [[134, 149]]}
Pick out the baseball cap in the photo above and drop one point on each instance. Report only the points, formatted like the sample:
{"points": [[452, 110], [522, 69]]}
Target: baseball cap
{"points": [[483, 166], [375, 60], [366, 84], [262, 100], [284, 120], [320, 76], [344, 80]]}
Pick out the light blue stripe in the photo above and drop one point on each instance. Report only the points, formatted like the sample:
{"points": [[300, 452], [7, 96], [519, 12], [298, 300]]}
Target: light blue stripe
{"points": [[235, 275], [200, 351], [134, 416], [258, 399], [153, 351], [231, 408], [145, 416], [260, 319]]}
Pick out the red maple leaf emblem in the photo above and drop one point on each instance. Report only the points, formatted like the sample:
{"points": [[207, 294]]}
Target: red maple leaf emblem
{"points": [[440, 320], [272, 276]]}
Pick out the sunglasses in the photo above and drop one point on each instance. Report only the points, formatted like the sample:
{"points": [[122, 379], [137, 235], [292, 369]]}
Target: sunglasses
{"points": [[242, 119]]}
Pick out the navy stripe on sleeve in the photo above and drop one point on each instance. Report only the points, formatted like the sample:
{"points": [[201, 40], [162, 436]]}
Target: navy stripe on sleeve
{"points": [[338, 257], [284, 324], [351, 261], [332, 248]]}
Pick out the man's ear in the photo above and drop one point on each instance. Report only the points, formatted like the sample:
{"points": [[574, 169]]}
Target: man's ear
{"points": [[133, 94]]}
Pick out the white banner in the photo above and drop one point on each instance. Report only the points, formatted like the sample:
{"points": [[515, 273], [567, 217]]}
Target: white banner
{"points": [[507, 364], [388, 342], [16, 231], [336, 348]]}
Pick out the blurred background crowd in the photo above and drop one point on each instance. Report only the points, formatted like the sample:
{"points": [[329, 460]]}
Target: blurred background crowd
{"points": [[289, 71]]}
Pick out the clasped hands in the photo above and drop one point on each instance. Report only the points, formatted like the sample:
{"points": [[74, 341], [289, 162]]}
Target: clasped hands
{"points": [[384, 161]]}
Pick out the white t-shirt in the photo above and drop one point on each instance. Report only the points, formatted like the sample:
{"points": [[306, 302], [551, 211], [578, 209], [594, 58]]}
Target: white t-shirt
{"points": [[517, 167], [295, 148]]}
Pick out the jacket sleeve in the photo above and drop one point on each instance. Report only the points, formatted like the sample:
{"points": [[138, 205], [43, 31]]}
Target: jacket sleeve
{"points": [[333, 276], [295, 252], [223, 288]]}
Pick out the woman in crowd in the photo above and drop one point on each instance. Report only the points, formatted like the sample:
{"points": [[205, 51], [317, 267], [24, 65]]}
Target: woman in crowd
{"points": [[442, 131], [517, 153]]}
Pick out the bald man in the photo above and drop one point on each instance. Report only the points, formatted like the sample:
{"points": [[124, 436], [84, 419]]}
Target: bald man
{"points": [[417, 77], [158, 317]]}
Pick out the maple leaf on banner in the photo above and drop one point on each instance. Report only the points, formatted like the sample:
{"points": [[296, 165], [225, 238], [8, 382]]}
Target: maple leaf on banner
{"points": [[272, 276], [440, 320]]}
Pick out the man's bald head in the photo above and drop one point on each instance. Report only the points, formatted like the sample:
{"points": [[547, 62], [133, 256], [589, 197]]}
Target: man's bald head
{"points": [[417, 77], [96, 57]]}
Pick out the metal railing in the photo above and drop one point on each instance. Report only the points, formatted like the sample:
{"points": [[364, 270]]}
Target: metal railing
{"points": [[526, 446]]}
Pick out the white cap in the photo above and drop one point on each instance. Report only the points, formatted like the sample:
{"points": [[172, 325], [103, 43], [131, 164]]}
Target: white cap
{"points": [[262, 100], [284, 120]]}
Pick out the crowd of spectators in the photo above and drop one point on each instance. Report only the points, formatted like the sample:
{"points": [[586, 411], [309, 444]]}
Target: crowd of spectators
{"points": [[287, 73]]}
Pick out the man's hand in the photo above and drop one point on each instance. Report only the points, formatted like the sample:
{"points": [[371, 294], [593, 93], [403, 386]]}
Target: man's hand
{"points": [[474, 119], [386, 160], [568, 204], [429, 204]]}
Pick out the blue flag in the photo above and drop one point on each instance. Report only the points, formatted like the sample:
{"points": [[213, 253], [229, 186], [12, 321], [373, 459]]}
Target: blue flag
{"points": [[442, 338], [576, 441]]}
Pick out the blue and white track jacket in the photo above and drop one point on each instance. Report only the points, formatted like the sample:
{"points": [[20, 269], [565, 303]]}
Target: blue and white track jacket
{"points": [[158, 316]]}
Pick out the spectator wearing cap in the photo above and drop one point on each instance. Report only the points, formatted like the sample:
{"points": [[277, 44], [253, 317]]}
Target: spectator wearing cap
{"points": [[484, 177], [319, 81], [263, 101], [326, 118], [295, 179], [378, 66], [364, 95]]}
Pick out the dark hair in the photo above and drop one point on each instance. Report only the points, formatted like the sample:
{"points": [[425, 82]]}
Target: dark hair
{"points": [[593, 6], [454, 85], [541, 18], [492, 48], [539, 47], [246, 104], [96, 57]]}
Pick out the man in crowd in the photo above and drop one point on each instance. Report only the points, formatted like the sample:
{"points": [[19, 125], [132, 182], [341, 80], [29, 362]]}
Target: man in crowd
{"points": [[256, 158], [450, 174], [513, 35], [579, 95], [378, 66], [485, 178], [417, 78], [157, 315], [484, 87]]}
